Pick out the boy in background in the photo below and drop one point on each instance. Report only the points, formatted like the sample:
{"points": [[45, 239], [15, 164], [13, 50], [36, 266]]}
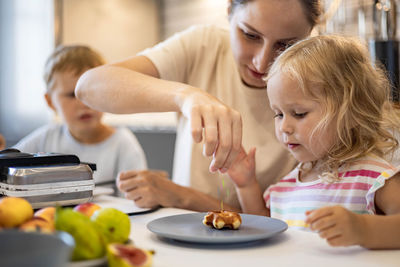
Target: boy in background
{"points": [[82, 132]]}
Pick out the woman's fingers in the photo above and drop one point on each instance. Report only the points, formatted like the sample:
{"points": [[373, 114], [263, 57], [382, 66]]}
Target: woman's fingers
{"points": [[223, 153], [233, 139], [143, 197], [124, 179], [211, 132], [129, 184], [216, 124], [145, 187], [237, 128], [196, 124], [123, 175], [127, 180], [223, 137]]}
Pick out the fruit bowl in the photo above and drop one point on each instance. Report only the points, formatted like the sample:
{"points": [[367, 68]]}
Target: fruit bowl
{"points": [[23, 249]]}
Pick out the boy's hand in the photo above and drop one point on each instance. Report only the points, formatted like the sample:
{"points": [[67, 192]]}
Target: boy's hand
{"points": [[336, 224], [243, 169]]}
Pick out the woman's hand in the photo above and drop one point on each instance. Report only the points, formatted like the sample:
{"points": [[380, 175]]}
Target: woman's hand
{"points": [[243, 170], [219, 126], [148, 189], [336, 224]]}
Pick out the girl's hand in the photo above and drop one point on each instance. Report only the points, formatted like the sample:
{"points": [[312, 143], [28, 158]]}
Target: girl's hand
{"points": [[336, 224], [243, 169], [219, 126]]}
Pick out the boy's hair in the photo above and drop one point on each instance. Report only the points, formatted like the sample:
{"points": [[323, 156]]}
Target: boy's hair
{"points": [[354, 95], [77, 58]]}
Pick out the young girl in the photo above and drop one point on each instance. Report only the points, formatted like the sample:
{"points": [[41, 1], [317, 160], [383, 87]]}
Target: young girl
{"points": [[332, 112]]}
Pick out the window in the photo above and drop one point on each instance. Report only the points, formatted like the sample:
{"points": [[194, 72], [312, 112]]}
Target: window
{"points": [[26, 33]]}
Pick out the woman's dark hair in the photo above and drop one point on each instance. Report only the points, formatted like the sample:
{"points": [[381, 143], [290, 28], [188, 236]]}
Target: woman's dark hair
{"points": [[311, 8]]}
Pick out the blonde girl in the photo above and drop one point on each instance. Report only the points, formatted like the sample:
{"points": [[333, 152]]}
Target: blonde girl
{"points": [[332, 112]]}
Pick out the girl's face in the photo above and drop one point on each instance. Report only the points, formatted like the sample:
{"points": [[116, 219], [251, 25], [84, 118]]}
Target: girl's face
{"points": [[260, 30], [296, 116], [79, 117]]}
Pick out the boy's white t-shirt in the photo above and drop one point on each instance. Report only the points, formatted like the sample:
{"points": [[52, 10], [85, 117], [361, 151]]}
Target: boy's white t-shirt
{"points": [[120, 152], [201, 56]]}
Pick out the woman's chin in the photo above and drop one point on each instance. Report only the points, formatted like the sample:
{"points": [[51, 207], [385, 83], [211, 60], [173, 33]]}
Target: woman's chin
{"points": [[260, 84]]}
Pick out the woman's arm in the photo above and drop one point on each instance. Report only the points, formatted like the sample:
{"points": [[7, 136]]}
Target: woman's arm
{"points": [[134, 86], [153, 188]]}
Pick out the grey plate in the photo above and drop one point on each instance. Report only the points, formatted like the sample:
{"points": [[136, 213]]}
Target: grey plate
{"points": [[190, 228]]}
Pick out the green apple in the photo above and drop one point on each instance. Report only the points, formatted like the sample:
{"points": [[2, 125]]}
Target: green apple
{"points": [[113, 224], [89, 242]]}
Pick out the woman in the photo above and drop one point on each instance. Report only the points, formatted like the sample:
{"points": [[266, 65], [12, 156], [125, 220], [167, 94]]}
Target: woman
{"points": [[213, 78]]}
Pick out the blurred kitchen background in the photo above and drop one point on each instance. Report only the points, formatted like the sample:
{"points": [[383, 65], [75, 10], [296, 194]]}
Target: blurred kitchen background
{"points": [[30, 29]]}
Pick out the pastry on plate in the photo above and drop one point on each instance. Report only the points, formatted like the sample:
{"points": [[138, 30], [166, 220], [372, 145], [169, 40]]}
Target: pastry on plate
{"points": [[223, 219]]}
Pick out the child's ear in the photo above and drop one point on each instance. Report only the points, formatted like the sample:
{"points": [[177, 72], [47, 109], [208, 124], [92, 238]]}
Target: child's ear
{"points": [[47, 96]]}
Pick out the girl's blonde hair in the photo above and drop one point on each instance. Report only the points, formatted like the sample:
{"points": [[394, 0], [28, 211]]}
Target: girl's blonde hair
{"points": [[355, 96], [77, 58]]}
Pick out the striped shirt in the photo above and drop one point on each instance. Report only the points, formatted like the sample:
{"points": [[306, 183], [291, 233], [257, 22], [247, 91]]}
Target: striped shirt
{"points": [[290, 198]]}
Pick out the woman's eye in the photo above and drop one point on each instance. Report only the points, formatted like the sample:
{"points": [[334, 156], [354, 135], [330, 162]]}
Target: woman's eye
{"points": [[250, 36], [278, 116]]}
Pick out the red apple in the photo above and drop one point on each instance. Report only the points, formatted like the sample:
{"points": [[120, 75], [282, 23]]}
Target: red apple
{"points": [[87, 208]]}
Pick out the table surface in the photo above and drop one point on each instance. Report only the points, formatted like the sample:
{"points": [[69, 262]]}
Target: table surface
{"points": [[290, 248]]}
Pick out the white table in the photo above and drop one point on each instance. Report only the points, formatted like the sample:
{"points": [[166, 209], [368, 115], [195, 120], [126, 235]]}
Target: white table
{"points": [[291, 248]]}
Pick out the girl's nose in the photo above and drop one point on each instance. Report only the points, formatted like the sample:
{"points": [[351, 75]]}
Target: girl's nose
{"points": [[286, 126], [263, 57]]}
